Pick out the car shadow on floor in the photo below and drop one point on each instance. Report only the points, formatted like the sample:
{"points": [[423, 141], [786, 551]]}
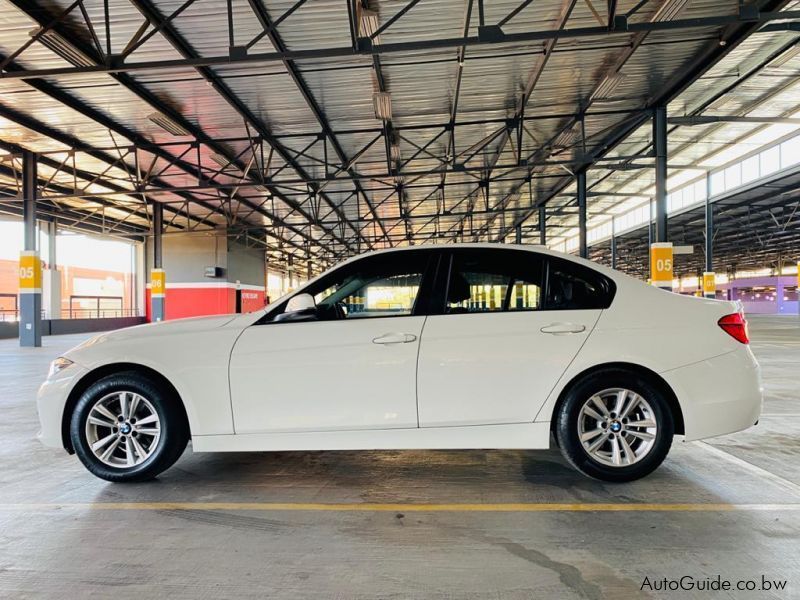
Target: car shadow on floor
{"points": [[421, 476]]}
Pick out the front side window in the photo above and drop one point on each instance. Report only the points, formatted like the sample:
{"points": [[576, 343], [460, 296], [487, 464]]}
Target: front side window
{"points": [[384, 285], [494, 281], [362, 295]]}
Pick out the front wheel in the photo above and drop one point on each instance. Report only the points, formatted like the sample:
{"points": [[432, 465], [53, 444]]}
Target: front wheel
{"points": [[615, 425], [126, 427]]}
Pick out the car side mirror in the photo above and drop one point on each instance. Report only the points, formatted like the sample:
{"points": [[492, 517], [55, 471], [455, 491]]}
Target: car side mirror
{"points": [[300, 302], [299, 308]]}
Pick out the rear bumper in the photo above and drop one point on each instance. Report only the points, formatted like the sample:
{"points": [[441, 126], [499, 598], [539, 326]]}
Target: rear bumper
{"points": [[719, 395]]}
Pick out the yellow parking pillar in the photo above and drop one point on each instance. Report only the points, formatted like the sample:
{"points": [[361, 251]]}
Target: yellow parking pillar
{"points": [[158, 288], [661, 265], [30, 266], [158, 281], [30, 298], [709, 285]]}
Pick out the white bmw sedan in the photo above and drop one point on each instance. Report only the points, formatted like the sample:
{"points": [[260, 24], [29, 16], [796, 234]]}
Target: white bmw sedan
{"points": [[465, 346]]}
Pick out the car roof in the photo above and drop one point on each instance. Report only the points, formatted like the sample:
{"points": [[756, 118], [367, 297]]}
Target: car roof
{"points": [[494, 246]]}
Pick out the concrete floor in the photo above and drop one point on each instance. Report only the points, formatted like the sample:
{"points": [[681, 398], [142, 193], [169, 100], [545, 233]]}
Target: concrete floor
{"points": [[80, 549]]}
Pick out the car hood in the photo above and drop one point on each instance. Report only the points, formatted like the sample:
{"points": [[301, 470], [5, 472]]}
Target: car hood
{"points": [[178, 326]]}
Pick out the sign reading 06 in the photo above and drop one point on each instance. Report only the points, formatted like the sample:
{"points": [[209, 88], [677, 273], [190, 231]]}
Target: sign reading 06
{"points": [[661, 264], [30, 272], [158, 283]]}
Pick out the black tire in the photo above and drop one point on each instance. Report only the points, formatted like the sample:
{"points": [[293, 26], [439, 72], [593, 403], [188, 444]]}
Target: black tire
{"points": [[171, 441], [566, 425]]}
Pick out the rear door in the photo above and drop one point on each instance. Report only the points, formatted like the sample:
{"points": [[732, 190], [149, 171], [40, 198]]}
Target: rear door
{"points": [[509, 324]]}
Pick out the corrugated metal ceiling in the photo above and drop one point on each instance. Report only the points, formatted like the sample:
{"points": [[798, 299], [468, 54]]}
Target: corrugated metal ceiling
{"points": [[272, 98]]}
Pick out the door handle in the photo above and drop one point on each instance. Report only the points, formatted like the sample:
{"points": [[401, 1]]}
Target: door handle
{"points": [[394, 338], [563, 328]]}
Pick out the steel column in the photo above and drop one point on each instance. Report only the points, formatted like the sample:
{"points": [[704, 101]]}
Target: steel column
{"points": [[158, 229], [709, 227], [583, 248], [30, 266], [613, 245], [660, 147], [542, 226], [518, 234], [51, 276], [157, 276], [709, 279]]}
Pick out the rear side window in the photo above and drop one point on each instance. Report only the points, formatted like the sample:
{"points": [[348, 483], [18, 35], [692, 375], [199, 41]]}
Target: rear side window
{"points": [[494, 281], [571, 286]]}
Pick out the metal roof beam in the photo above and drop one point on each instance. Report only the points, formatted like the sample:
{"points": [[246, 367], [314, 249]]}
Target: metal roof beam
{"points": [[275, 38], [46, 203], [737, 30], [70, 220], [726, 90], [56, 93], [180, 44], [65, 192], [707, 119], [405, 47], [620, 62]]}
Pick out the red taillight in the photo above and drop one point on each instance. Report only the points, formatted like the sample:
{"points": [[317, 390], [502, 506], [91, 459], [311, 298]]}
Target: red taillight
{"points": [[735, 325]]}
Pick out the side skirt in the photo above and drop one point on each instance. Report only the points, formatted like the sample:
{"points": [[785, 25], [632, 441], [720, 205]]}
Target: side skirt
{"points": [[528, 436]]}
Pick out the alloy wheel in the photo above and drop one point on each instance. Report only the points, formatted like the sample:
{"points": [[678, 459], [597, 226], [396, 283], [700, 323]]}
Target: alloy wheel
{"points": [[617, 427], [123, 429]]}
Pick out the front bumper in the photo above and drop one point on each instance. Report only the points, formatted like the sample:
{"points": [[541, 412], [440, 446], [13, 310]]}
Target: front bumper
{"points": [[720, 395], [50, 403]]}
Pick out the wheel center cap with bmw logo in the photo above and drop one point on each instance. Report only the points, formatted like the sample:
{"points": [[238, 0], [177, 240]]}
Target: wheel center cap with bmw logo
{"points": [[125, 428], [615, 426]]}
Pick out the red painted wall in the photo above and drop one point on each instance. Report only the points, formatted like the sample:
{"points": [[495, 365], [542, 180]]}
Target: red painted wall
{"points": [[199, 301]]}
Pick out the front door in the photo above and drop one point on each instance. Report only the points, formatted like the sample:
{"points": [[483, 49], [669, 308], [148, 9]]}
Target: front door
{"points": [[500, 346], [352, 367]]}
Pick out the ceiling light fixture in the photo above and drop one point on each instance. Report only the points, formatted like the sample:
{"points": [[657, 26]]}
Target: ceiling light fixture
{"points": [[609, 85], [565, 138], [721, 103], [167, 124], [368, 24], [59, 45], [382, 103], [784, 58], [221, 161], [669, 10]]}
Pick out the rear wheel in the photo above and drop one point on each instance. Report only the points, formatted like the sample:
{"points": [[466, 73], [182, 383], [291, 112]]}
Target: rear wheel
{"points": [[615, 425], [126, 427]]}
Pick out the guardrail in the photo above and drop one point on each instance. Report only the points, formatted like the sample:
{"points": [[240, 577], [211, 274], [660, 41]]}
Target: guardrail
{"points": [[80, 307], [104, 306]]}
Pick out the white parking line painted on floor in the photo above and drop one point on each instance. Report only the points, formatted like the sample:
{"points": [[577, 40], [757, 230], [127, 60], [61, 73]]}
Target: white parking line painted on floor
{"points": [[779, 415], [391, 507], [787, 485]]}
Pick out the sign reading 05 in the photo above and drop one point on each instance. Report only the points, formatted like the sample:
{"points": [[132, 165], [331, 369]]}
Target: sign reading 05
{"points": [[661, 264], [30, 272]]}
